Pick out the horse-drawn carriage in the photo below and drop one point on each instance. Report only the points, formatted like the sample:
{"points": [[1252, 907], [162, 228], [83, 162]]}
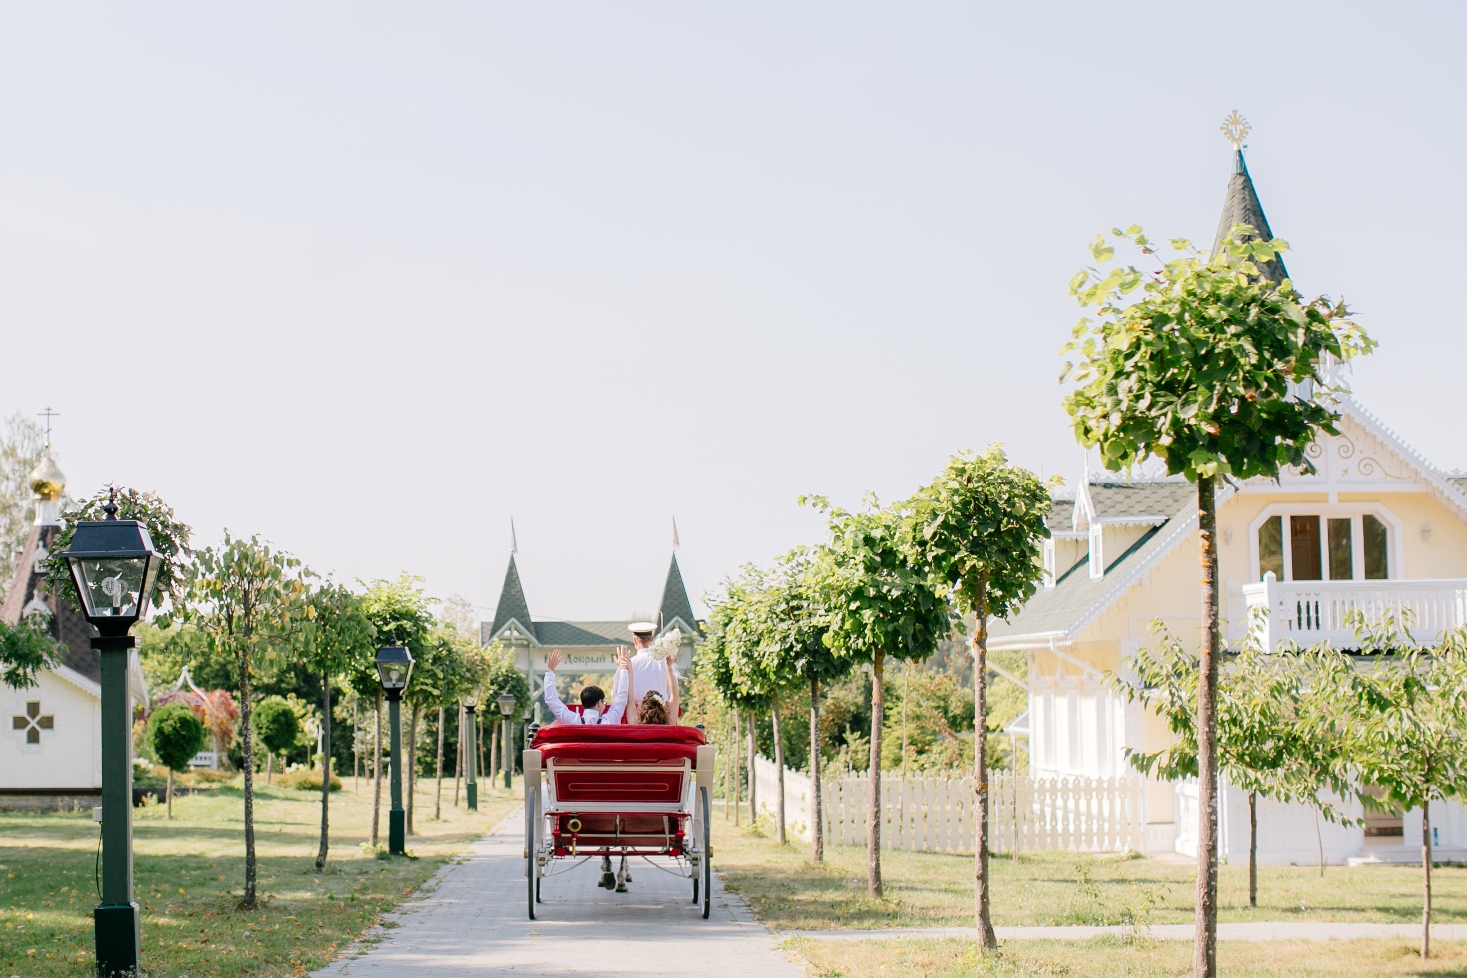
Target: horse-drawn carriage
{"points": [[619, 791]]}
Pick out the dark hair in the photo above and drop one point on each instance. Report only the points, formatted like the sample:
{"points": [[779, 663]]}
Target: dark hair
{"points": [[653, 709], [590, 696]]}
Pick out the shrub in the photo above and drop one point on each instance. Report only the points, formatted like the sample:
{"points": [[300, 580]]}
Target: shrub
{"points": [[175, 735], [307, 781]]}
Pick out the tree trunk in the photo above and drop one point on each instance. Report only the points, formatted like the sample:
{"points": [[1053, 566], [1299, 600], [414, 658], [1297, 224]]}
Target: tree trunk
{"points": [[906, 691], [753, 778], [1253, 849], [325, 772], [735, 758], [1426, 879], [168, 793], [873, 819], [247, 749], [458, 756], [377, 769], [1204, 953], [438, 768], [269, 767], [987, 941], [817, 807], [779, 830], [410, 755], [356, 747]]}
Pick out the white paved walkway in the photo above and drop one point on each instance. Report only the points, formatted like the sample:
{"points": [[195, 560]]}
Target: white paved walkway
{"points": [[472, 921]]}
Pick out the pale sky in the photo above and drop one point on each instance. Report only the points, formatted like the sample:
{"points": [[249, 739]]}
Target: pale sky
{"points": [[372, 279]]}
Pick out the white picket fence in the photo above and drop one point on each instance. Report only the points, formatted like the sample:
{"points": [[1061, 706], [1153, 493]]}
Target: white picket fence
{"points": [[936, 814]]}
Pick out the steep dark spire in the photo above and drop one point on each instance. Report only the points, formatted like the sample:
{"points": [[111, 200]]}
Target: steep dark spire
{"points": [[1242, 207], [675, 603], [512, 603]]}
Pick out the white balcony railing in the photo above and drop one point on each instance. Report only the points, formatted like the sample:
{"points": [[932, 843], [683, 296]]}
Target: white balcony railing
{"points": [[1310, 612]]}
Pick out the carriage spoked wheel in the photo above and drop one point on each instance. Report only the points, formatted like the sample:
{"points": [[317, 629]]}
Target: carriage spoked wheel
{"points": [[532, 844], [705, 865]]}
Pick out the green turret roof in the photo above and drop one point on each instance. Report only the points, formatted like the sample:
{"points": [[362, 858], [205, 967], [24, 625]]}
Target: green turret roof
{"points": [[1241, 206], [675, 603], [512, 602]]}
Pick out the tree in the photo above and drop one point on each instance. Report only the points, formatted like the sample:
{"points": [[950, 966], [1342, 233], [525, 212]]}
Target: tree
{"points": [[26, 650], [277, 727], [729, 654], [336, 631], [245, 597], [980, 528], [1277, 733], [1409, 737], [439, 677], [792, 624], [175, 736], [881, 603], [1208, 365], [20, 453], [170, 537]]}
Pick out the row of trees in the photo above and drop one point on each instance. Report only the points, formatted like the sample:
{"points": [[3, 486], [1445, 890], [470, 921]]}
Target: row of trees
{"points": [[1381, 729], [246, 609], [888, 584]]}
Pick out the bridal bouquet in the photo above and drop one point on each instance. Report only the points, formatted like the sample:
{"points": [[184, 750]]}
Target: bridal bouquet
{"points": [[666, 647]]}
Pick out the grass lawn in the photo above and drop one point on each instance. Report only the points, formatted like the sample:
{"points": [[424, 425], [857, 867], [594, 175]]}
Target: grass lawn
{"points": [[1111, 958], [933, 890], [190, 875]]}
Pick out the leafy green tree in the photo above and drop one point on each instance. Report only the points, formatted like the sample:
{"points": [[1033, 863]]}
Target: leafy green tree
{"points": [[1208, 365], [26, 650], [439, 672], [881, 602], [729, 650], [20, 452], [277, 728], [980, 528], [171, 538], [246, 598], [1408, 740], [175, 735], [336, 632]]}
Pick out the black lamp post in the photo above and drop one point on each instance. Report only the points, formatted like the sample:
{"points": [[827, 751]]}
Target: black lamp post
{"points": [[394, 669], [113, 565], [470, 743], [506, 707]]}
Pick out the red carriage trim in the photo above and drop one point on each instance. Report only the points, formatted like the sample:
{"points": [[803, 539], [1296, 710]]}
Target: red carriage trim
{"points": [[618, 733]]}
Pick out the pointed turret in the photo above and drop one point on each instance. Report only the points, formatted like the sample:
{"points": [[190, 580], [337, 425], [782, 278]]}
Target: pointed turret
{"points": [[1241, 206], [675, 604], [512, 604]]}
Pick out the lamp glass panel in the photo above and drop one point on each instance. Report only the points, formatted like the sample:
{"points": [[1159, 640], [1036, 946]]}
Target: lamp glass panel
{"points": [[113, 587]]}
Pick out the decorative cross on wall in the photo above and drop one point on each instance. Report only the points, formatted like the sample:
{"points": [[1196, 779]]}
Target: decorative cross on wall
{"points": [[33, 723]]}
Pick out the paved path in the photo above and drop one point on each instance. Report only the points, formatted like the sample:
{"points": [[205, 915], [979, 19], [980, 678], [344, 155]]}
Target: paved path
{"points": [[472, 921], [1291, 930]]}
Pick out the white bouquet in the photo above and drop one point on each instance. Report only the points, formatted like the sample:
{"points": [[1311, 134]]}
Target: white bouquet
{"points": [[666, 647]]}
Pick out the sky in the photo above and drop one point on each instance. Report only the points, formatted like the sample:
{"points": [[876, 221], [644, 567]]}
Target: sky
{"points": [[371, 280]]}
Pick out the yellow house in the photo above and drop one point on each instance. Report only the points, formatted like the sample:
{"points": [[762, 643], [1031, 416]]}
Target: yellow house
{"points": [[1376, 527]]}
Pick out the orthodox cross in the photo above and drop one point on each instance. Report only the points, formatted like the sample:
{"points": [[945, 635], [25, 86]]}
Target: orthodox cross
{"points": [[1236, 128], [33, 723], [48, 414]]}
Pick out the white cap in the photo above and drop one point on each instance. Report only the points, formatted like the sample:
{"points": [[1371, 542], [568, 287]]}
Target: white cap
{"points": [[641, 628]]}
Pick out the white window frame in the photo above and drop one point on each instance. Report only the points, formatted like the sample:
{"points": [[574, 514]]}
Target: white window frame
{"points": [[1395, 545], [1097, 550]]}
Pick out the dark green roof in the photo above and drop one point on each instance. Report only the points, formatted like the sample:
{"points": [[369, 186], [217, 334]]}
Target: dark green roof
{"points": [[675, 603], [1118, 500], [512, 602], [570, 633], [1241, 206]]}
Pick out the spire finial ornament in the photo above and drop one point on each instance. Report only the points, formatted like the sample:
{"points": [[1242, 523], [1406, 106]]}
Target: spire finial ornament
{"points": [[514, 546], [1236, 128], [110, 506], [48, 414], [674, 535]]}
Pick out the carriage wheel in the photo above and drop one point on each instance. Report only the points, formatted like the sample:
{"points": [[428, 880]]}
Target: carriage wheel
{"points": [[705, 815], [532, 824]]}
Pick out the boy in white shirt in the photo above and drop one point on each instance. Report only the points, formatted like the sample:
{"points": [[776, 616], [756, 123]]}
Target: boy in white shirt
{"points": [[592, 697]]}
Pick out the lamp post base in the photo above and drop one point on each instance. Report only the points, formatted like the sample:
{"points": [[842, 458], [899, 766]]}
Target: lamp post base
{"points": [[119, 940], [397, 832], [473, 796]]}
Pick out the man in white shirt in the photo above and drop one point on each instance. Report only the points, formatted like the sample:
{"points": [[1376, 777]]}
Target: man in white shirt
{"points": [[593, 699], [647, 674]]}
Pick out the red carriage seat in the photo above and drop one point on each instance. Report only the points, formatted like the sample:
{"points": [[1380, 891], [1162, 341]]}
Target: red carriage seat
{"points": [[619, 767]]}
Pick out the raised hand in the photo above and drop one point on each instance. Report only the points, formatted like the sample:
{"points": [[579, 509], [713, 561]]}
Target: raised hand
{"points": [[623, 658], [552, 662]]}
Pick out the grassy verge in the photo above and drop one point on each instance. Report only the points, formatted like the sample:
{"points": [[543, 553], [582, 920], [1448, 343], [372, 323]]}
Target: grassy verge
{"points": [[1113, 958], [934, 890], [190, 874]]}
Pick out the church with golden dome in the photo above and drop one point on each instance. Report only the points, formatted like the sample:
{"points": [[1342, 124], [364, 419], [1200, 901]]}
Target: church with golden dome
{"points": [[50, 742]]}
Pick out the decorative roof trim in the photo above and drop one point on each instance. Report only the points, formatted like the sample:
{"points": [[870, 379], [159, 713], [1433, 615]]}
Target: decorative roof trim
{"points": [[527, 631], [1434, 478]]}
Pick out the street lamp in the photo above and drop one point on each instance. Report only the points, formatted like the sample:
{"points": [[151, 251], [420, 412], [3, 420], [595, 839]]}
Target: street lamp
{"points": [[506, 707], [113, 566], [469, 744], [394, 669]]}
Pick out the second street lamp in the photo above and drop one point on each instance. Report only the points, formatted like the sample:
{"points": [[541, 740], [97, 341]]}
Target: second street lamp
{"points": [[113, 565], [470, 744], [506, 707], [394, 669]]}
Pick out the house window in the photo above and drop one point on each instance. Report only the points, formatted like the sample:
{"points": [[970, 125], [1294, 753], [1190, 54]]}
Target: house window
{"points": [[1314, 547]]}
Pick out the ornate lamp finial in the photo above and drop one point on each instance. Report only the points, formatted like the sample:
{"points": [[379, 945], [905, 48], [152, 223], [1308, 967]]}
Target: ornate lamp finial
{"points": [[110, 506], [1236, 128]]}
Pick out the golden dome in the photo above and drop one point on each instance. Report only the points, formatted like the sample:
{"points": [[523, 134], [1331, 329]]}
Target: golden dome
{"points": [[46, 480]]}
